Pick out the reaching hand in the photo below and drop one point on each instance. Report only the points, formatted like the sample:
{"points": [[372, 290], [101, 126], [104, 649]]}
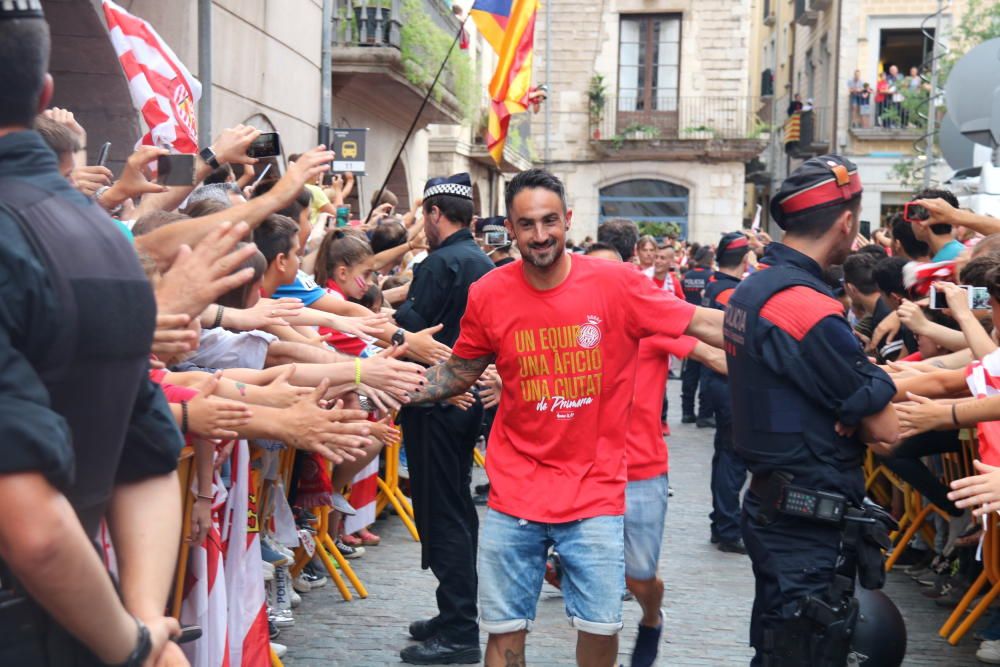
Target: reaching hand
{"points": [[217, 417], [490, 387], [360, 327], [423, 347], [884, 333], [391, 375], [922, 415], [980, 491], [940, 212], [280, 393], [232, 144], [89, 180], [912, 316], [311, 428], [172, 336], [133, 181], [266, 313], [161, 630], [462, 401], [958, 298], [197, 278], [66, 118], [201, 521], [386, 432], [310, 164]]}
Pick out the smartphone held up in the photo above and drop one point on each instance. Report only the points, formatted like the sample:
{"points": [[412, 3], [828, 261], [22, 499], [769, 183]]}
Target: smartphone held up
{"points": [[978, 298]]}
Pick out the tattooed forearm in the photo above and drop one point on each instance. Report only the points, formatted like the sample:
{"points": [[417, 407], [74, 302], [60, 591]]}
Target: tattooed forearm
{"points": [[450, 378]]}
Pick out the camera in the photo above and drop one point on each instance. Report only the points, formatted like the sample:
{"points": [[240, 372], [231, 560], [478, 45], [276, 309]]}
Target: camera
{"points": [[915, 212], [497, 239], [267, 144], [979, 298]]}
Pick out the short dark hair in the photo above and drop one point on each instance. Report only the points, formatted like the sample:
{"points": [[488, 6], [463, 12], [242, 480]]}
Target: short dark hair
{"points": [[238, 296], [902, 231], [859, 270], [598, 246], [274, 236], [888, 275], [704, 257], [58, 137], [389, 234], [220, 174], [873, 249], [154, 220], [974, 273], [936, 193], [297, 205], [24, 61], [620, 234], [534, 178], [993, 282], [387, 197], [813, 223], [204, 207], [457, 209]]}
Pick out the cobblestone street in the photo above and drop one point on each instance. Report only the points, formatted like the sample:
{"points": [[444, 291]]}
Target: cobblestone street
{"points": [[708, 598]]}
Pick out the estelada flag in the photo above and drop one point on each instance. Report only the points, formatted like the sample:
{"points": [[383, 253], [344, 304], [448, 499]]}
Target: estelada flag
{"points": [[162, 89], [509, 27]]}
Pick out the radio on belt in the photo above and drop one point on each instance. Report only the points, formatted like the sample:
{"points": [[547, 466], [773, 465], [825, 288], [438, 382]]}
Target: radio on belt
{"points": [[811, 504]]}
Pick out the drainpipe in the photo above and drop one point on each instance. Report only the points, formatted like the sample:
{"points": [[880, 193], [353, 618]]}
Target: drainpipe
{"points": [[326, 66], [205, 72], [835, 138]]}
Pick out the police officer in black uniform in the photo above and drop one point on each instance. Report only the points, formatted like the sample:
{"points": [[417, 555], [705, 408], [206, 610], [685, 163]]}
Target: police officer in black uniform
{"points": [[693, 282], [729, 472], [805, 399], [440, 437], [79, 415]]}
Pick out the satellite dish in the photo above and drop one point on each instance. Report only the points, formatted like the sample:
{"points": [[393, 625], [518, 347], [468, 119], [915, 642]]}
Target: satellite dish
{"points": [[973, 93], [955, 147]]}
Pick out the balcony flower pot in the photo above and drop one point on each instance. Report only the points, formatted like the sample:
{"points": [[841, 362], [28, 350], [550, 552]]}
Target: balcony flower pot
{"points": [[597, 134]]}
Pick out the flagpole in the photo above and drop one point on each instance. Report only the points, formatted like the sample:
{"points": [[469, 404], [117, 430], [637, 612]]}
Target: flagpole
{"points": [[416, 118]]}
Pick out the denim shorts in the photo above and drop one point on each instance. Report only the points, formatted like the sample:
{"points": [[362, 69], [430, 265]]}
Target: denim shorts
{"points": [[645, 513], [512, 554]]}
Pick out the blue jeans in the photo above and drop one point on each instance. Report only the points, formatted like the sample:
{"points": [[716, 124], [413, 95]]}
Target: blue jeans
{"points": [[645, 514], [512, 554]]}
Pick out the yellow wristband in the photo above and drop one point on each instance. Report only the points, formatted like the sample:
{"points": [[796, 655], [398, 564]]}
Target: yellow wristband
{"points": [[357, 370]]}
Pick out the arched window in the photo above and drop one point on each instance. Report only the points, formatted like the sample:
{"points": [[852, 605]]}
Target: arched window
{"points": [[646, 200]]}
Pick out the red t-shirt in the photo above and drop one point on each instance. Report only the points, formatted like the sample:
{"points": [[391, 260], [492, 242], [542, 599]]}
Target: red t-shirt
{"points": [[646, 450], [345, 343], [174, 393], [658, 282], [567, 359]]}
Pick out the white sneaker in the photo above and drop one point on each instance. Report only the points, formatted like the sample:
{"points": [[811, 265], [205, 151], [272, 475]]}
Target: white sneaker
{"points": [[279, 649], [300, 585], [282, 618], [989, 652], [295, 598], [268, 570]]}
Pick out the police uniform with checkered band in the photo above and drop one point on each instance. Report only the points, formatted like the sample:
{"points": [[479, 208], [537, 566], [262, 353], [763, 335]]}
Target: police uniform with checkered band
{"points": [[795, 371]]}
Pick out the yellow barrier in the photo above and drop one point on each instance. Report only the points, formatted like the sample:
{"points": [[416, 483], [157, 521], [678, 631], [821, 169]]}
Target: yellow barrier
{"points": [[391, 494]]}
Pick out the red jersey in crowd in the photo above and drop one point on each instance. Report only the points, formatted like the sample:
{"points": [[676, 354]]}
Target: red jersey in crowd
{"points": [[567, 359], [345, 343], [646, 450]]}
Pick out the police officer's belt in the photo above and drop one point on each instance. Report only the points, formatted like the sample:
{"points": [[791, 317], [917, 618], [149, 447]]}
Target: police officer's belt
{"points": [[777, 494]]}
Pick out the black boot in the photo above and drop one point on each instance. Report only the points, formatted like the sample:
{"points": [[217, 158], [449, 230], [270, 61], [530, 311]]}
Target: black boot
{"points": [[440, 651], [424, 629]]}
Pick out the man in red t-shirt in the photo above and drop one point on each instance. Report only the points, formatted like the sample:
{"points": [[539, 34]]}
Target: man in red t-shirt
{"points": [[563, 331], [646, 451]]}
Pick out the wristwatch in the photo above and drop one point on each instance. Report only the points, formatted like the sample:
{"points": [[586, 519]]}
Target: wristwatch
{"points": [[399, 337], [208, 155], [143, 647]]}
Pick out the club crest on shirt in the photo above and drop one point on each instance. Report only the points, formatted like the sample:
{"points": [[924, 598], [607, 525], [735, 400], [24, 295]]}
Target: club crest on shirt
{"points": [[590, 334]]}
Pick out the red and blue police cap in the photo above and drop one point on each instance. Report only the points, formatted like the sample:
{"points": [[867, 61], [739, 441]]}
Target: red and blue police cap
{"points": [[734, 244], [820, 182]]}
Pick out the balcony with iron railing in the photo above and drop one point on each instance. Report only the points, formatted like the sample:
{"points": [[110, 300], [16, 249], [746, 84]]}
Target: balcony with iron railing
{"points": [[806, 132], [682, 128], [806, 12], [390, 50]]}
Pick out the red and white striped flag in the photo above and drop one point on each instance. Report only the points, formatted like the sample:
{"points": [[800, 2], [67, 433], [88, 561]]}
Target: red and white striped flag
{"points": [[249, 644], [162, 88], [983, 378]]}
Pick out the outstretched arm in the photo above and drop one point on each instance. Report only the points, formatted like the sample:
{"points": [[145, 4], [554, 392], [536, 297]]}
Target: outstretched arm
{"points": [[451, 378], [706, 326]]}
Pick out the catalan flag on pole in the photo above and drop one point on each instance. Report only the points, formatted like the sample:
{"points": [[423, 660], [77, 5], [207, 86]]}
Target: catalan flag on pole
{"points": [[509, 27]]}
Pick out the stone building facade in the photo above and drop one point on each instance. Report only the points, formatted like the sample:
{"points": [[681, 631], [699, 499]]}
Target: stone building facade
{"points": [[678, 120]]}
